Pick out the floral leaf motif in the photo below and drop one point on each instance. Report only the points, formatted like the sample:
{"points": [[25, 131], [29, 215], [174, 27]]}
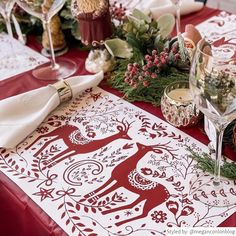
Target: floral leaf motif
{"points": [[146, 171], [60, 206], [77, 207], [143, 130], [117, 198], [127, 146], [159, 216], [170, 179], [187, 210], [93, 210], [63, 215], [222, 192], [195, 197], [7, 155], [86, 209], [180, 189], [152, 135], [186, 200], [68, 221], [232, 191], [55, 123], [44, 193], [172, 206], [88, 230], [3, 150]]}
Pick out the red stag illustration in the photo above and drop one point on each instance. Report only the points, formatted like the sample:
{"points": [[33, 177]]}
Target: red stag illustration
{"points": [[125, 175], [76, 142]]}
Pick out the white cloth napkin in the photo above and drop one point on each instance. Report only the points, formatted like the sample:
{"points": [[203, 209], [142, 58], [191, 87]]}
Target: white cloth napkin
{"points": [[160, 7], [22, 114]]}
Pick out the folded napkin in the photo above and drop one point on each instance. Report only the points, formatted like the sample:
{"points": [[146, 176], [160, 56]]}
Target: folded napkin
{"points": [[160, 7], [22, 114]]}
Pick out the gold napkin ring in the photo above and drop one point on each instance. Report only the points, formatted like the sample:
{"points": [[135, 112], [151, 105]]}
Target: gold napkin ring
{"points": [[64, 90]]}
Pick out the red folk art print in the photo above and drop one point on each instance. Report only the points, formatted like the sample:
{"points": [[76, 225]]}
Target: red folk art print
{"points": [[105, 167]]}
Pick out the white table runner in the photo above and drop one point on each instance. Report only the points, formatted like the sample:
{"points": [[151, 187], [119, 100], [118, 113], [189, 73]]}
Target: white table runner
{"points": [[98, 139]]}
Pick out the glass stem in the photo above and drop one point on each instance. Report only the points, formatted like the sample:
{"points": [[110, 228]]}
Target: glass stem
{"points": [[218, 147], [48, 30], [177, 19], [8, 25]]}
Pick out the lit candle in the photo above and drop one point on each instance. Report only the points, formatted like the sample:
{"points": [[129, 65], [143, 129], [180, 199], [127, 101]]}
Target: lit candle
{"points": [[177, 105], [180, 94]]}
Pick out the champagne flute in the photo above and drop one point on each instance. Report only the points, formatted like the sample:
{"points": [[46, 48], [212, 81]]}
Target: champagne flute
{"points": [[56, 70], [213, 86], [177, 4], [5, 10]]}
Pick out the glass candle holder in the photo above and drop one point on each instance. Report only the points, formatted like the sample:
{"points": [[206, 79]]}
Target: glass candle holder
{"points": [[177, 105]]}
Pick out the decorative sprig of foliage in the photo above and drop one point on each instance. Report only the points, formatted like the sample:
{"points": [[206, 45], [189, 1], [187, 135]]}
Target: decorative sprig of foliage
{"points": [[140, 87], [150, 76], [206, 163]]}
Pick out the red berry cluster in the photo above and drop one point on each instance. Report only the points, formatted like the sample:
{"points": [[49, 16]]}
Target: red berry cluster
{"points": [[118, 12], [155, 63]]}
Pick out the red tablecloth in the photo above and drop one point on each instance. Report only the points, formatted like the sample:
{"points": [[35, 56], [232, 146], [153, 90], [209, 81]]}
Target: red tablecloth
{"points": [[19, 215]]}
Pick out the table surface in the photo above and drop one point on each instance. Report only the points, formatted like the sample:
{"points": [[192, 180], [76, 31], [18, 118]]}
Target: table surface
{"points": [[15, 206]]}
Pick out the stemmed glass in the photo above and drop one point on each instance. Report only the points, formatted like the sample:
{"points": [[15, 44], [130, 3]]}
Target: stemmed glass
{"points": [[5, 10], [177, 4], [56, 70], [213, 86]]}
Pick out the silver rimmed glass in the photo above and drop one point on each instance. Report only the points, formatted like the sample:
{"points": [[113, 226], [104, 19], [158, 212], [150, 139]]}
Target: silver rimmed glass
{"points": [[213, 86]]}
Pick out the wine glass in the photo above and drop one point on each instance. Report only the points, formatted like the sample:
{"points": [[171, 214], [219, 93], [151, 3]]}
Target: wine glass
{"points": [[213, 86], [56, 70], [177, 4], [5, 10]]}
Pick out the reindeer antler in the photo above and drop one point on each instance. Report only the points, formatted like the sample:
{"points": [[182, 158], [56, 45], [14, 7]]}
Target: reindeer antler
{"points": [[157, 147], [124, 124]]}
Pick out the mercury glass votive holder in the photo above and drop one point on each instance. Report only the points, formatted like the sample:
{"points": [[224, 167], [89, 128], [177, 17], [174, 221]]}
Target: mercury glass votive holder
{"points": [[177, 105]]}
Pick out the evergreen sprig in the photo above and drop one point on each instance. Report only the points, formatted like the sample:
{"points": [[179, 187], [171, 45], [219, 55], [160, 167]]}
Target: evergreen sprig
{"points": [[206, 163]]}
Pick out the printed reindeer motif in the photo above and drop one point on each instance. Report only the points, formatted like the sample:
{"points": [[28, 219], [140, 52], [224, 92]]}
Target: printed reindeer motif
{"points": [[76, 142], [125, 175]]}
